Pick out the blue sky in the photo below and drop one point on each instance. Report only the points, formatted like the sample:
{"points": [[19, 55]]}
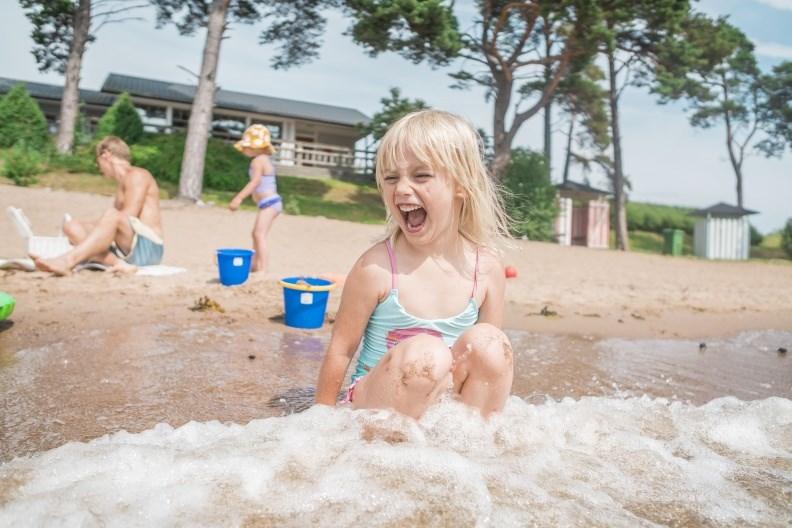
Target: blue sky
{"points": [[667, 160]]}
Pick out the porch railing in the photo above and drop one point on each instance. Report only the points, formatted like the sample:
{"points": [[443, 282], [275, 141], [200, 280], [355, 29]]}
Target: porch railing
{"points": [[322, 155], [301, 153]]}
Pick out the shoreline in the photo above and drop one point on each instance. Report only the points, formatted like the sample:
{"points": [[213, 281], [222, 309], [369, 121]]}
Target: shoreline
{"points": [[599, 293], [630, 325]]}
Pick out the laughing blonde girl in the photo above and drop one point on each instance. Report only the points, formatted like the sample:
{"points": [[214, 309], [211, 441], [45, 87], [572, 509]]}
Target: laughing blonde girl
{"points": [[426, 302]]}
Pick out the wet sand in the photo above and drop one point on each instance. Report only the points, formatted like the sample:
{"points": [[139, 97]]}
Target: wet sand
{"points": [[94, 353], [215, 368]]}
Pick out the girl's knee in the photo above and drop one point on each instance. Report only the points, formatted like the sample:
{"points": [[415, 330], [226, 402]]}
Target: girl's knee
{"points": [[259, 232], [422, 360], [486, 349]]}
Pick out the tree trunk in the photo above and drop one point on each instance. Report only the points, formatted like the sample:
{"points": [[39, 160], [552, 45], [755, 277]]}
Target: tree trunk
{"points": [[192, 168], [568, 158], [548, 136], [548, 114], [735, 163], [70, 102], [548, 110], [501, 137], [619, 199]]}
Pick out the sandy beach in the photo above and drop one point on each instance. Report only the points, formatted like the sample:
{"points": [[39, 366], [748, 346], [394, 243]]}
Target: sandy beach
{"points": [[645, 375], [586, 292]]}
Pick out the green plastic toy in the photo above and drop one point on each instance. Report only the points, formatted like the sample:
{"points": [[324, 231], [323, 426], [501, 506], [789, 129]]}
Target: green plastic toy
{"points": [[7, 304]]}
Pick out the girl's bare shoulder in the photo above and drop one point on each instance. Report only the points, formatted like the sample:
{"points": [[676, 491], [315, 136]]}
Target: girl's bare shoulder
{"points": [[490, 262], [262, 163], [372, 270]]}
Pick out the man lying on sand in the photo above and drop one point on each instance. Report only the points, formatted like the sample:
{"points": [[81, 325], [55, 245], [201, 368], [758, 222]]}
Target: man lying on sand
{"points": [[127, 235]]}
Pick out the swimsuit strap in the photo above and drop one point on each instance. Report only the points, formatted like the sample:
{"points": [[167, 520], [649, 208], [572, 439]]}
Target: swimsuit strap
{"points": [[475, 275], [392, 258]]}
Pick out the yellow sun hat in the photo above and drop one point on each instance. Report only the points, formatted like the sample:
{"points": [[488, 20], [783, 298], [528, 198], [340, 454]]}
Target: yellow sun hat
{"points": [[256, 137]]}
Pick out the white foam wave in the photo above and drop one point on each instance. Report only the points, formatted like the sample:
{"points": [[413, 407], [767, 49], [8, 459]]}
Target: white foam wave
{"points": [[593, 461]]}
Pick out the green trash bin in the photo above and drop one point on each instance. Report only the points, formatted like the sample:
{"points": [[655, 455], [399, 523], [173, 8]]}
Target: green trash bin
{"points": [[673, 240]]}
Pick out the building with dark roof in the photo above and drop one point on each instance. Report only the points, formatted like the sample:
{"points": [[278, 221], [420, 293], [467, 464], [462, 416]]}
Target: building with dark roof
{"points": [[583, 215], [722, 232], [315, 137]]}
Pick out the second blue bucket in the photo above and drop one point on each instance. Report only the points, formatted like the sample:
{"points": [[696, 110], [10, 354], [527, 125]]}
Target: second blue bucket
{"points": [[234, 265], [305, 301]]}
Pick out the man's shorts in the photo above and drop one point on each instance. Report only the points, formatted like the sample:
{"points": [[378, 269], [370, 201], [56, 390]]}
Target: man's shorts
{"points": [[147, 246]]}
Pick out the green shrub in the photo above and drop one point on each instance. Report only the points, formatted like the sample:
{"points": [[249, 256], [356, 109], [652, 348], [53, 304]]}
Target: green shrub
{"points": [[22, 163], [756, 236], [121, 120], [655, 218], [530, 197], [291, 206], [83, 159], [225, 169], [21, 119], [82, 135], [786, 238]]}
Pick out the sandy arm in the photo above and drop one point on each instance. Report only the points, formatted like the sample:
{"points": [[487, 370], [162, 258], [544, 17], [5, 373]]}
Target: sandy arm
{"points": [[491, 270], [362, 291]]}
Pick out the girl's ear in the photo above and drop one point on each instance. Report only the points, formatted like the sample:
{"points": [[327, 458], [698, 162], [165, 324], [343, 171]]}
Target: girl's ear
{"points": [[459, 191]]}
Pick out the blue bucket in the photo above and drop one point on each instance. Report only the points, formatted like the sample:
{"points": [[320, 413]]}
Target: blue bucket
{"points": [[305, 301], [234, 265]]}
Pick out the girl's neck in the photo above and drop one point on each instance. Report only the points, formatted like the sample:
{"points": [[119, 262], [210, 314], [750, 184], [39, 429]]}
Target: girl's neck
{"points": [[445, 248]]}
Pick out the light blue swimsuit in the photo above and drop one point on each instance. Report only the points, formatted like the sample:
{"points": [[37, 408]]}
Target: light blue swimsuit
{"points": [[267, 186], [390, 323]]}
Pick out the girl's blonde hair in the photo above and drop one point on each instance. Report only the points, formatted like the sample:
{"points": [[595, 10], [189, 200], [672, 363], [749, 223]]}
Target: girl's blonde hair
{"points": [[447, 142]]}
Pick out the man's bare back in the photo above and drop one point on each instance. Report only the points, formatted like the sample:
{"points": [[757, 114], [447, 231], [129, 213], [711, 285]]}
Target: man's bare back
{"points": [[129, 186]]}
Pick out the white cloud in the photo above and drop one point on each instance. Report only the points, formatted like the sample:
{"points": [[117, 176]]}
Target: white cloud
{"points": [[785, 5], [774, 49]]}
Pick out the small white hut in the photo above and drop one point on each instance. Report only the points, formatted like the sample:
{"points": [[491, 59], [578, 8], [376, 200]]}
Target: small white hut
{"points": [[722, 232]]}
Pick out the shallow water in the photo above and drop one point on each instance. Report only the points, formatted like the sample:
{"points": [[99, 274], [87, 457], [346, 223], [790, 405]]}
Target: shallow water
{"points": [[599, 433]]}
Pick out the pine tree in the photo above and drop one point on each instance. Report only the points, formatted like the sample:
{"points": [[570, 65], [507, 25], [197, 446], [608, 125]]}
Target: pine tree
{"points": [[21, 120], [121, 120]]}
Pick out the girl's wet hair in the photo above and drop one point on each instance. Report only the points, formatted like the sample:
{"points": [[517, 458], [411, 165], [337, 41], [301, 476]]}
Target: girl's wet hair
{"points": [[447, 142]]}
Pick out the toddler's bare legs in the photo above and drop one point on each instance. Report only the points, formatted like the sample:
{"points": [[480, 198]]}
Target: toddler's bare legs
{"points": [[409, 377], [483, 368], [261, 228]]}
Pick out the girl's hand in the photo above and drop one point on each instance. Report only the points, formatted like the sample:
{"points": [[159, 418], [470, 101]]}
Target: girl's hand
{"points": [[234, 204]]}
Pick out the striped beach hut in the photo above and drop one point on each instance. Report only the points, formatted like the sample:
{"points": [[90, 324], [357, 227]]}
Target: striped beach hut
{"points": [[722, 232], [583, 215]]}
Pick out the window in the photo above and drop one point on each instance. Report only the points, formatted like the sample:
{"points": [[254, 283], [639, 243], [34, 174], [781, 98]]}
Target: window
{"points": [[227, 126], [154, 117], [273, 126], [149, 112], [180, 118]]}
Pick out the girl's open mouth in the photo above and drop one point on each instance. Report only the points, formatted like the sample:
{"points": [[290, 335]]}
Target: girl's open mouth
{"points": [[414, 217]]}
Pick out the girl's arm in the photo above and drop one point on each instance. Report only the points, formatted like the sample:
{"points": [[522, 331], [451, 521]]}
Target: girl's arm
{"points": [[362, 290], [258, 167], [491, 269]]}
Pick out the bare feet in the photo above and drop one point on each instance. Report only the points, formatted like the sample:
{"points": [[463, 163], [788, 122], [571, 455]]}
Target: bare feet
{"points": [[58, 266], [123, 267]]}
